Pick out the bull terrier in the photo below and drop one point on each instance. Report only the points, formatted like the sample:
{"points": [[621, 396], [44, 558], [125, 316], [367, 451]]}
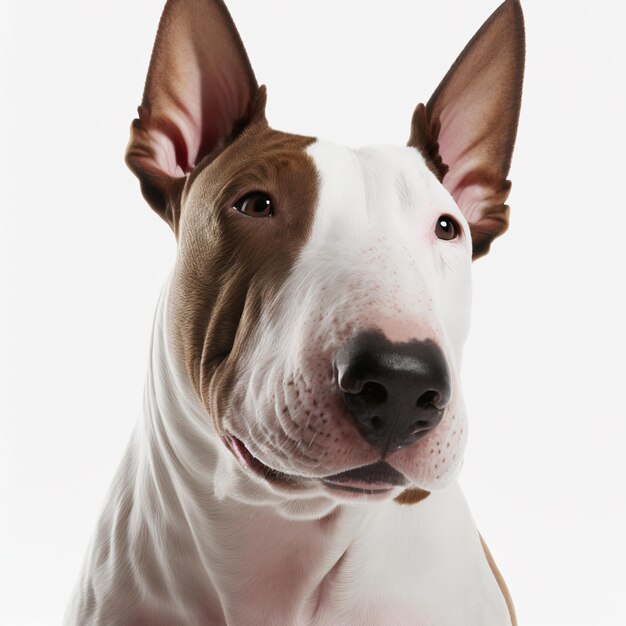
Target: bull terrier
{"points": [[303, 422]]}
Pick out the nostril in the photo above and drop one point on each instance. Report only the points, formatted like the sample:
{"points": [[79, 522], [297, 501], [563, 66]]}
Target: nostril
{"points": [[428, 399], [396, 392], [377, 423], [374, 393]]}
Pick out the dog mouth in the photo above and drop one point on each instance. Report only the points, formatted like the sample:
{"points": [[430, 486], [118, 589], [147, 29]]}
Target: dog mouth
{"points": [[245, 457], [374, 479]]}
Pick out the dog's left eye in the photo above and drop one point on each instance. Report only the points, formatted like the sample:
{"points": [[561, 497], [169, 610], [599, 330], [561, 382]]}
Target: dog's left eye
{"points": [[255, 204], [447, 228]]}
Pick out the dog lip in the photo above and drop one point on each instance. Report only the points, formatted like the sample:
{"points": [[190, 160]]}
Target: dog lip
{"points": [[376, 476], [351, 489], [245, 458]]}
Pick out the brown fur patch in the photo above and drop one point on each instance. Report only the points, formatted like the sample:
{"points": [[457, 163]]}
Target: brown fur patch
{"points": [[230, 265], [412, 496]]}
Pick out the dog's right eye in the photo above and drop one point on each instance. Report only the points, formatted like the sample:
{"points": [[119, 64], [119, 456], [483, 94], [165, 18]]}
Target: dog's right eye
{"points": [[447, 228], [255, 204]]}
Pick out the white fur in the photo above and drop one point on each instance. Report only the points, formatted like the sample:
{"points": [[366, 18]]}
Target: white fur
{"points": [[173, 546]]}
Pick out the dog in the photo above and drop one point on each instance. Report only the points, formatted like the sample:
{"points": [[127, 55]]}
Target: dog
{"points": [[303, 422]]}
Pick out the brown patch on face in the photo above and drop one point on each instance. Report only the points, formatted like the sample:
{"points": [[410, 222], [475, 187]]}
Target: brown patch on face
{"points": [[412, 496], [231, 265]]}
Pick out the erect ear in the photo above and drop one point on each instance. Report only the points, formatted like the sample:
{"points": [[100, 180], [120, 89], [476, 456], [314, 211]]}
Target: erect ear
{"points": [[200, 93], [467, 130]]}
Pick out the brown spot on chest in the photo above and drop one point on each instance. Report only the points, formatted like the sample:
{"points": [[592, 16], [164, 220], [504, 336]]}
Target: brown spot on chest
{"points": [[412, 496]]}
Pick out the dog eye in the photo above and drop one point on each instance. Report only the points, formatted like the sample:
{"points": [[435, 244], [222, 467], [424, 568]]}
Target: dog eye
{"points": [[255, 204], [447, 228]]}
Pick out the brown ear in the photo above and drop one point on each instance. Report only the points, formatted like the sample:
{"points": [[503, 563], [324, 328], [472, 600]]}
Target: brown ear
{"points": [[467, 130], [200, 92]]}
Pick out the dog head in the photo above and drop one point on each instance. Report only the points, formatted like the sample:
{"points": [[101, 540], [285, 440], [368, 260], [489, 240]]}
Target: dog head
{"points": [[321, 295]]}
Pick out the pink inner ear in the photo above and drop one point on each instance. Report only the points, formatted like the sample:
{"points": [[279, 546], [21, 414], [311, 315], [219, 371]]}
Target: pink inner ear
{"points": [[472, 179], [458, 155], [199, 90], [188, 129], [469, 145], [165, 154]]}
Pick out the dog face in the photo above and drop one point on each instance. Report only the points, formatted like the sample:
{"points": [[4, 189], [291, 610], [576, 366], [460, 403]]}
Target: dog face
{"points": [[321, 295]]}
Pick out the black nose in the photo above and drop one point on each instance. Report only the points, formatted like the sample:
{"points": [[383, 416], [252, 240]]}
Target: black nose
{"points": [[396, 392]]}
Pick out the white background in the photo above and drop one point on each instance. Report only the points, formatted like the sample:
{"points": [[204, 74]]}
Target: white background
{"points": [[83, 260]]}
